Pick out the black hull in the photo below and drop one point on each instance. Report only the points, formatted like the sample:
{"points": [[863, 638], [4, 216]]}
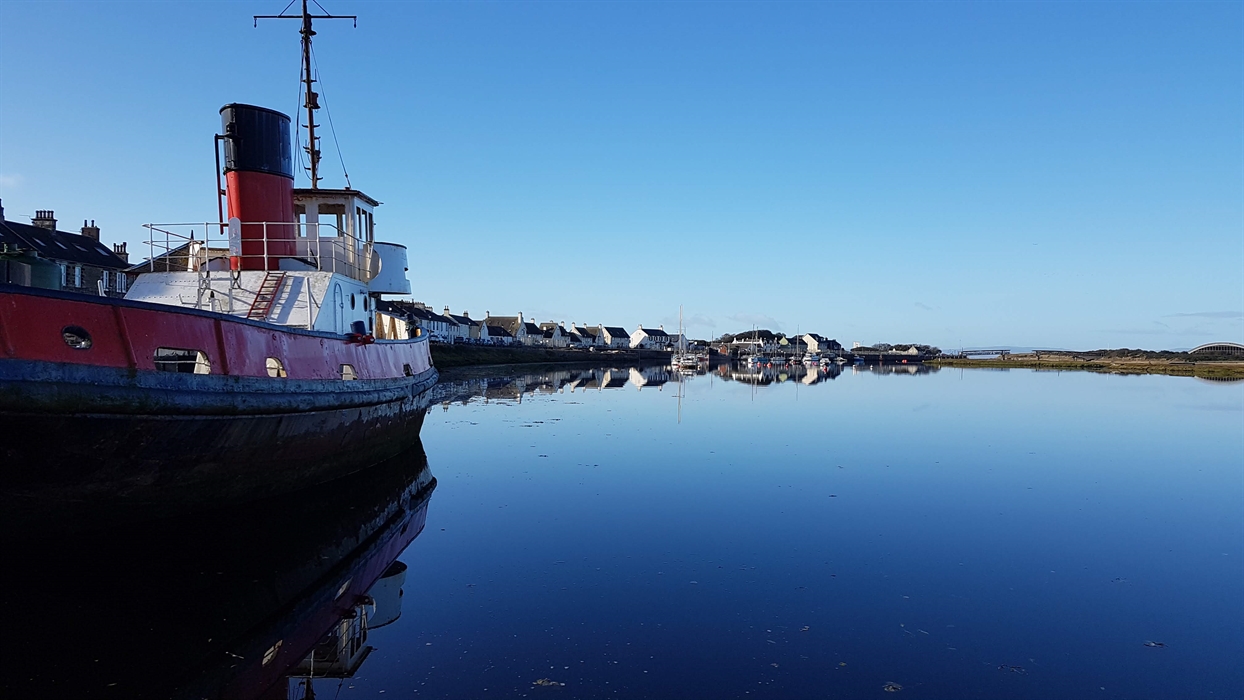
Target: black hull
{"points": [[89, 446]]}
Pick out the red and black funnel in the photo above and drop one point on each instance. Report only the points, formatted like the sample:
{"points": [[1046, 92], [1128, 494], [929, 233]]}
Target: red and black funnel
{"points": [[259, 177]]}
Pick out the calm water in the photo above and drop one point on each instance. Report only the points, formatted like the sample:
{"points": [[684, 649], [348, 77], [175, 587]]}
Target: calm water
{"points": [[632, 534]]}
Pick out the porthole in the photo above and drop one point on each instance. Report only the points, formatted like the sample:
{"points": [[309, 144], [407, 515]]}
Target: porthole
{"points": [[348, 373], [76, 337], [275, 368]]}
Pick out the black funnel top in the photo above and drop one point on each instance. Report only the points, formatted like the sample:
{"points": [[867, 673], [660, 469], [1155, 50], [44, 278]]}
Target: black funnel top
{"points": [[258, 140]]}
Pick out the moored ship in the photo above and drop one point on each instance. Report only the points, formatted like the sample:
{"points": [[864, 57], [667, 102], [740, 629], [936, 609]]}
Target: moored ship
{"points": [[246, 359]]}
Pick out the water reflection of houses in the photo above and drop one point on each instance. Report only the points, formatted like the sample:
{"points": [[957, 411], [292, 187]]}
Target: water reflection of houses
{"points": [[653, 377], [764, 375], [908, 369]]}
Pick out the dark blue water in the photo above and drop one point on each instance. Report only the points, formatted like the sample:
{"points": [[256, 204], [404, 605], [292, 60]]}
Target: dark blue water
{"points": [[644, 534], [959, 534]]}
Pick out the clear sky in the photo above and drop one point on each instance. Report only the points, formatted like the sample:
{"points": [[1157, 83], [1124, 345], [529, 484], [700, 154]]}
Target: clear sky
{"points": [[1063, 174]]}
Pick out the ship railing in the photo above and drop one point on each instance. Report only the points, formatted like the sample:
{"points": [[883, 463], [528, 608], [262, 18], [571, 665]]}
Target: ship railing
{"points": [[206, 247], [215, 249]]}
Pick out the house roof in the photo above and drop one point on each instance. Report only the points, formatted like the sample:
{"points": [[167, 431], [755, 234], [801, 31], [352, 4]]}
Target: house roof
{"points": [[464, 320], [498, 332], [550, 326], [654, 333], [585, 332], [509, 323], [532, 329], [616, 331], [410, 310], [59, 245]]}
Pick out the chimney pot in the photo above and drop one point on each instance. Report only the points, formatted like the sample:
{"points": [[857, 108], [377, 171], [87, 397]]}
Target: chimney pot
{"points": [[44, 218], [91, 231]]}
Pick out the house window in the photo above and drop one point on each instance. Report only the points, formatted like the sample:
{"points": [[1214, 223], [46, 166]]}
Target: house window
{"points": [[64, 274], [77, 275], [105, 279], [122, 281], [348, 373]]}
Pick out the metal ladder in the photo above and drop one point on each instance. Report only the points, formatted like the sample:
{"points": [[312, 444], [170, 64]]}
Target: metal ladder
{"points": [[266, 296]]}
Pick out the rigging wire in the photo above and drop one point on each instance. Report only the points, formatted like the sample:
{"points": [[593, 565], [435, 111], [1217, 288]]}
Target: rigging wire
{"points": [[332, 129]]}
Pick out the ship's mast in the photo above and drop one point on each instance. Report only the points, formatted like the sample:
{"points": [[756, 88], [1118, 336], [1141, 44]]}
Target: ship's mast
{"points": [[312, 99]]}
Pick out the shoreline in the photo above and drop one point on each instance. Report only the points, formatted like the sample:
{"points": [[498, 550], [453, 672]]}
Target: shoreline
{"points": [[1204, 370]]}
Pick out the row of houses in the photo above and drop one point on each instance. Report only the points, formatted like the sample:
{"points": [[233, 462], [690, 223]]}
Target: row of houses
{"points": [[783, 345], [403, 319], [39, 255]]}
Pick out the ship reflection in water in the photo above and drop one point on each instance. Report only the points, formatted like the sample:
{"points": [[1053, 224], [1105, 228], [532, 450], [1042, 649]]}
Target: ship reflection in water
{"points": [[250, 603]]}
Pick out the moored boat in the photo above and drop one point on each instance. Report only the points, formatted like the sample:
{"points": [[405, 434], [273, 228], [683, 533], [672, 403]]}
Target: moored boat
{"points": [[246, 360]]}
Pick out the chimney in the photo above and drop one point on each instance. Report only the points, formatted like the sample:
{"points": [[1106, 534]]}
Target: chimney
{"points": [[91, 231], [1, 210], [119, 249], [661, 327], [44, 218], [520, 317], [446, 310], [466, 314]]}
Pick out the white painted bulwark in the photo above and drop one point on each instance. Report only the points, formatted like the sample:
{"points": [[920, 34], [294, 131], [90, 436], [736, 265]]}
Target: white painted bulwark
{"points": [[391, 279], [322, 301]]}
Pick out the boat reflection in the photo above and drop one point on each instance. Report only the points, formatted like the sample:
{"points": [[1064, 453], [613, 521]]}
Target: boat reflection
{"points": [[256, 602]]}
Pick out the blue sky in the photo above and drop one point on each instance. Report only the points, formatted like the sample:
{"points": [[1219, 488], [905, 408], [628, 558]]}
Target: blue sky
{"points": [[1037, 174]]}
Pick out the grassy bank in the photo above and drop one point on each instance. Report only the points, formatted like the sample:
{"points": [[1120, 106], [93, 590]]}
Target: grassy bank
{"points": [[450, 356], [1206, 370]]}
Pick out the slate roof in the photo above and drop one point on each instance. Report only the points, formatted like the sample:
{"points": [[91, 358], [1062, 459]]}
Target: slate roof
{"points": [[585, 332], [532, 329], [655, 333], [616, 332], [498, 332], [59, 245], [464, 320], [509, 323], [409, 310]]}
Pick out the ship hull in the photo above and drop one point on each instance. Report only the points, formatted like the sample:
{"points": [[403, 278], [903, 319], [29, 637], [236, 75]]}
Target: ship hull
{"points": [[98, 444]]}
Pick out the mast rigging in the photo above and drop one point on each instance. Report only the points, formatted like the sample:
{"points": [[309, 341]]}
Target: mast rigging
{"points": [[311, 101]]}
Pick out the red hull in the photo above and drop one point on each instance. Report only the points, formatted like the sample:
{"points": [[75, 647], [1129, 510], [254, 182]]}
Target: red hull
{"points": [[125, 335]]}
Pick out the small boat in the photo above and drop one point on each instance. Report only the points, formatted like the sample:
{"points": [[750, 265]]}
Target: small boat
{"points": [[811, 359]]}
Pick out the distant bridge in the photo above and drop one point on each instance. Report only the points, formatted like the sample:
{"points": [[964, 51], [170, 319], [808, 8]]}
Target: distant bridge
{"points": [[1218, 349]]}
